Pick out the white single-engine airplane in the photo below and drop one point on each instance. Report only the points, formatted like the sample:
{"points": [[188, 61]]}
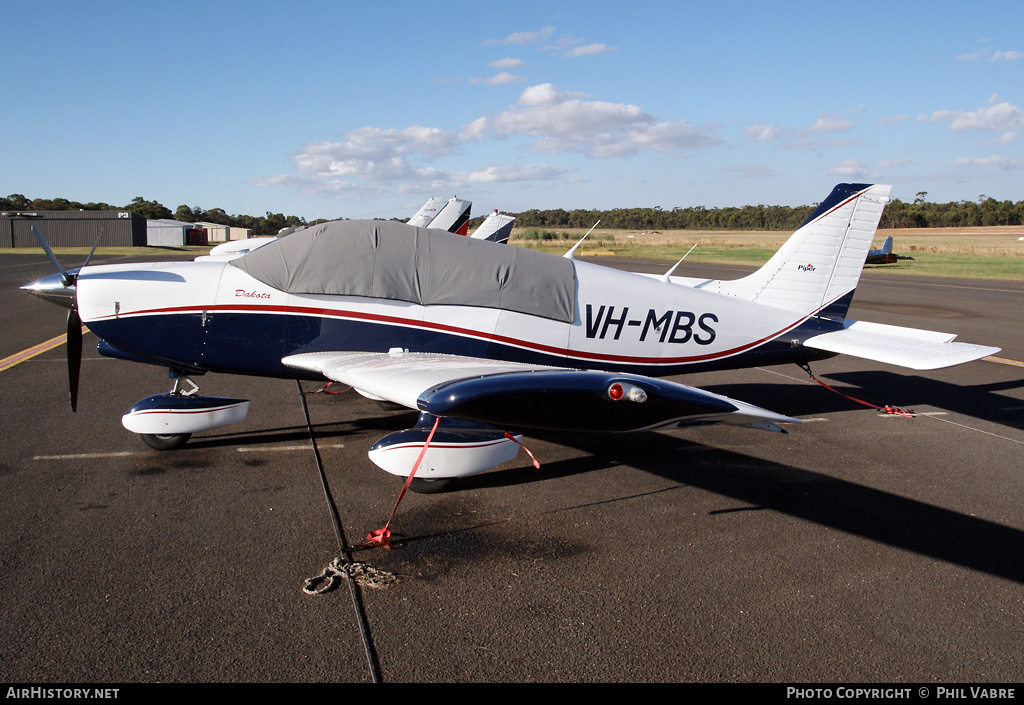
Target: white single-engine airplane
{"points": [[485, 340]]}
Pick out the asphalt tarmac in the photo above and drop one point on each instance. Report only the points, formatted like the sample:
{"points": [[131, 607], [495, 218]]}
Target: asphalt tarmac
{"points": [[858, 547]]}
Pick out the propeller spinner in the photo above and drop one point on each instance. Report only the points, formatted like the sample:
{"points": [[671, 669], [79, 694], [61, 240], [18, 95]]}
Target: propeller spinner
{"points": [[60, 289]]}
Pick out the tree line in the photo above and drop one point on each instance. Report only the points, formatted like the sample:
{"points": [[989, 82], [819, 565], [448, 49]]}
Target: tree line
{"points": [[919, 213], [268, 224]]}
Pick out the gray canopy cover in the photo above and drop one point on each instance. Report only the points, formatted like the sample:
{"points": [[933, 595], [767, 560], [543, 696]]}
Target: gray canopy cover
{"points": [[392, 260]]}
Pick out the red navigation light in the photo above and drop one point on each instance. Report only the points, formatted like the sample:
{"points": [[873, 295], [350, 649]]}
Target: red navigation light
{"points": [[615, 391]]}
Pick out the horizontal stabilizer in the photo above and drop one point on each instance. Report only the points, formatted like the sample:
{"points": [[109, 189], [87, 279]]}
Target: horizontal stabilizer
{"points": [[895, 345]]}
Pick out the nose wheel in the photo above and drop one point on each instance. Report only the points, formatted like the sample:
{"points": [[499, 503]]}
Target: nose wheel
{"points": [[165, 441], [167, 421]]}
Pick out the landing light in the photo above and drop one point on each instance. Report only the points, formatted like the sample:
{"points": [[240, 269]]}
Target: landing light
{"points": [[619, 391]]}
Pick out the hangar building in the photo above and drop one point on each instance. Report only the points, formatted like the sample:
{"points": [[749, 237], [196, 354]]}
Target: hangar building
{"points": [[72, 228]]}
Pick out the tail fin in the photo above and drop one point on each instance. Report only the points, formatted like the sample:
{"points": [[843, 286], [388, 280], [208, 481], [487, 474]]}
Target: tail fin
{"points": [[451, 215], [497, 227], [887, 246], [427, 212], [821, 262]]}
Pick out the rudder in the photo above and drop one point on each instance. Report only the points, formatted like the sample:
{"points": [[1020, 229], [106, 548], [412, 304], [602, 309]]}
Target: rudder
{"points": [[820, 264]]}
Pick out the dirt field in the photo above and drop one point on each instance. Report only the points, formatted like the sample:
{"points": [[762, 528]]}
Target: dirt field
{"points": [[988, 242]]}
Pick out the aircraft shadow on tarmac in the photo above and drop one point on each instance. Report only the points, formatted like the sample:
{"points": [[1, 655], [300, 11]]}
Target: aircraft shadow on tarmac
{"points": [[838, 504], [984, 402]]}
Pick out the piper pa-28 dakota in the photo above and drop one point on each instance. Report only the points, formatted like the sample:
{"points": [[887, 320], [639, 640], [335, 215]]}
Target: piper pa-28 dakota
{"points": [[485, 340]]}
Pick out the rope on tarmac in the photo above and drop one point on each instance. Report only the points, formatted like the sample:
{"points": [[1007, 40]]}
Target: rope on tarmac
{"points": [[886, 408], [361, 573]]}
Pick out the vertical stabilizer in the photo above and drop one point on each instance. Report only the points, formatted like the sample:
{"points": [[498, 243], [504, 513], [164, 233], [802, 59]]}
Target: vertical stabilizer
{"points": [[497, 227], [821, 262], [427, 212], [453, 216]]}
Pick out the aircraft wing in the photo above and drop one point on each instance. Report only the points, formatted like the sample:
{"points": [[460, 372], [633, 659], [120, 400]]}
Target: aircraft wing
{"points": [[520, 396], [906, 347]]}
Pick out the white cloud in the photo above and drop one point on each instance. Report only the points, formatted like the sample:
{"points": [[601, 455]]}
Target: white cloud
{"points": [[763, 132], [374, 153], [564, 45], [751, 172], [893, 163], [993, 56], [502, 79], [974, 56], [507, 63], [805, 137], [564, 122], [372, 160], [590, 49], [523, 38], [993, 163], [546, 94], [996, 117], [495, 174], [850, 168], [828, 123]]}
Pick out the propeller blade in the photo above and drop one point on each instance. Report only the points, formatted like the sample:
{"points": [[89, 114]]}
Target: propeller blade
{"points": [[66, 277], [74, 355], [96, 244]]}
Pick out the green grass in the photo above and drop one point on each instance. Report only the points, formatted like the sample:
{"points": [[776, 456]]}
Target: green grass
{"points": [[958, 266], [950, 264]]}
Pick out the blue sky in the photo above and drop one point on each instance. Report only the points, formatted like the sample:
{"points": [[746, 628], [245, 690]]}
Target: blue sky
{"points": [[355, 109]]}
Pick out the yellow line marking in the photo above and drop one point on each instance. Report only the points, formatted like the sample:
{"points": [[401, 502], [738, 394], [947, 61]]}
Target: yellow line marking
{"points": [[1003, 361], [39, 349], [84, 456]]}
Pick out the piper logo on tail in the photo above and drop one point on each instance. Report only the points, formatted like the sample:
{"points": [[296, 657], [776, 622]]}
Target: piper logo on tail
{"points": [[805, 267]]}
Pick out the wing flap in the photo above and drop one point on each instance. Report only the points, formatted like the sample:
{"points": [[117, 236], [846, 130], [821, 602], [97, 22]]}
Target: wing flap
{"points": [[906, 347]]}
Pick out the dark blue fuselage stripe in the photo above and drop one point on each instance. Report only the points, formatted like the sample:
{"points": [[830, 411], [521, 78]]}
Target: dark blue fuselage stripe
{"points": [[255, 343]]}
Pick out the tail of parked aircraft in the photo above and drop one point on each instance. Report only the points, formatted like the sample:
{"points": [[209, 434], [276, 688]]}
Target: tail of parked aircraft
{"points": [[816, 272], [451, 215], [427, 212], [819, 266], [497, 227]]}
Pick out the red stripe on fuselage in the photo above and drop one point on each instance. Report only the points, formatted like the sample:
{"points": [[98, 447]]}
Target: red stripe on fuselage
{"points": [[455, 330]]}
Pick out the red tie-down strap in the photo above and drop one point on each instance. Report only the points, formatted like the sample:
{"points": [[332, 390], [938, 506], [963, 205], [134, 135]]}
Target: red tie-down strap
{"points": [[513, 438], [886, 408], [382, 536], [324, 390]]}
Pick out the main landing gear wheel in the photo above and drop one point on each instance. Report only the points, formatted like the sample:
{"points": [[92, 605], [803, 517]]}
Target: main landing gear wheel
{"points": [[422, 486], [168, 441]]}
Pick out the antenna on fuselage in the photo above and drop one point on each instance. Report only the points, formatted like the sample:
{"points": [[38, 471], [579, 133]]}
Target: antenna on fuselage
{"points": [[573, 248], [666, 275]]}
